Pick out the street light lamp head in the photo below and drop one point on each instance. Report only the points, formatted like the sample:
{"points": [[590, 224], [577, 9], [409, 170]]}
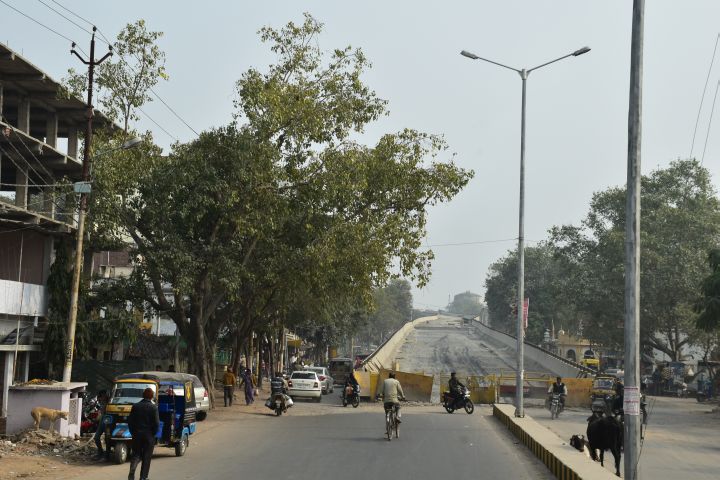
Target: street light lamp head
{"points": [[467, 54], [131, 143], [577, 53]]}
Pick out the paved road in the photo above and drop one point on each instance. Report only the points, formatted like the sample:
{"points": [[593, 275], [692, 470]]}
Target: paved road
{"points": [[441, 346], [324, 441], [680, 438]]}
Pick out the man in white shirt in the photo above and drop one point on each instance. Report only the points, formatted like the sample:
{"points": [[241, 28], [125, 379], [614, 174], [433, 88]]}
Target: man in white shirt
{"points": [[392, 393]]}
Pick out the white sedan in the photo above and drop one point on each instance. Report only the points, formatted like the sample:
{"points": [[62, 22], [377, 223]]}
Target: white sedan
{"points": [[305, 384], [326, 381]]}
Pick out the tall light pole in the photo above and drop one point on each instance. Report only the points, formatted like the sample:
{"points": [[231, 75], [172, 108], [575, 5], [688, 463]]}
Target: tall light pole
{"points": [[631, 402], [520, 374]]}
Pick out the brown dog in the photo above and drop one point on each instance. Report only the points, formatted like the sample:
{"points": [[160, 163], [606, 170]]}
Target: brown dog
{"points": [[38, 413]]}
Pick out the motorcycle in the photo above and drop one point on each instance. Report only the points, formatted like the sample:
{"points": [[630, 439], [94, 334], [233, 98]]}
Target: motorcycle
{"points": [[351, 395], [555, 406], [279, 403], [461, 400], [90, 416]]}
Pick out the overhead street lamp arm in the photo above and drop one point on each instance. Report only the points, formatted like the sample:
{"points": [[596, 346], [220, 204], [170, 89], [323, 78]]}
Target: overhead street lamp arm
{"points": [[472, 56], [576, 53]]}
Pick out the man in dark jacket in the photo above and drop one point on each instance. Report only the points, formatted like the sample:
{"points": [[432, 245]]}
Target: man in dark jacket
{"points": [[143, 422]]}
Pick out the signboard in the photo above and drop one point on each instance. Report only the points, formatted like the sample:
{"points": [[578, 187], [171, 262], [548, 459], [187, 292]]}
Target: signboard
{"points": [[82, 187], [526, 308], [631, 401]]}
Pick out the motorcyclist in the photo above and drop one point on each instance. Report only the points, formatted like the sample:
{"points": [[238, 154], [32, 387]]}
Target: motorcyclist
{"points": [[350, 381], [392, 393], [456, 387], [558, 387]]}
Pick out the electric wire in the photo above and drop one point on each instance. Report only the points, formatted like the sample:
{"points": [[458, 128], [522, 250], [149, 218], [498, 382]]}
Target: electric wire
{"points": [[712, 111], [32, 19], [702, 98], [66, 18], [104, 39]]}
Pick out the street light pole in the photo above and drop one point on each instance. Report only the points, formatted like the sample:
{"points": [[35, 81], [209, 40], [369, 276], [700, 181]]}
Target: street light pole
{"points": [[520, 368], [631, 402]]}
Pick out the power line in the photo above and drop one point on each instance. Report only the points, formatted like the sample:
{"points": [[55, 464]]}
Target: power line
{"points": [[158, 125], [702, 98], [712, 111], [38, 22], [122, 59], [66, 18]]}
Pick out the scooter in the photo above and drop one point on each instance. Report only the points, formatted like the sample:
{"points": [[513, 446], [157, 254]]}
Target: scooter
{"points": [[462, 400]]}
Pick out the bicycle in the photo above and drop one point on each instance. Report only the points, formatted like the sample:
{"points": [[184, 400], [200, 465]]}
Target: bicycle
{"points": [[391, 421]]}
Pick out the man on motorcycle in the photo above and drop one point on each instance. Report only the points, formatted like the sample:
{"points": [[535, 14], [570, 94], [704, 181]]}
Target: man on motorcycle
{"points": [[392, 393], [350, 381], [456, 387], [559, 388]]}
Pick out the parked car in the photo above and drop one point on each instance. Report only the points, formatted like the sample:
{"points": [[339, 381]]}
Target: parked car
{"points": [[305, 384], [324, 377]]}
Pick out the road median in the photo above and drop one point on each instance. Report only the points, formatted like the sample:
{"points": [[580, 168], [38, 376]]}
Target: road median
{"points": [[565, 462]]}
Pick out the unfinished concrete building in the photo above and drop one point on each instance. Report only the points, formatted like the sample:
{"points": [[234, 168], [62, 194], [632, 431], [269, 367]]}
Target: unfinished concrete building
{"points": [[38, 162]]}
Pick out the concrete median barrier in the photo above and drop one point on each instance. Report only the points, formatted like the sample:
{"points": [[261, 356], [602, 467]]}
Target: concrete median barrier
{"points": [[561, 459], [368, 383]]}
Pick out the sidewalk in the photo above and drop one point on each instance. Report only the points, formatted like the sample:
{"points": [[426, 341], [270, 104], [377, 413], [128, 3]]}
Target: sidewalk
{"points": [[679, 438]]}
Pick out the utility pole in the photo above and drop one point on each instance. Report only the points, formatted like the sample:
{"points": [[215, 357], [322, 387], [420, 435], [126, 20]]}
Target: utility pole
{"points": [[84, 190], [631, 405]]}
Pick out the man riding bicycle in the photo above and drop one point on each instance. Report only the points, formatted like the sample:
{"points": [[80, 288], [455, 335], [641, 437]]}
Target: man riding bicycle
{"points": [[392, 393]]}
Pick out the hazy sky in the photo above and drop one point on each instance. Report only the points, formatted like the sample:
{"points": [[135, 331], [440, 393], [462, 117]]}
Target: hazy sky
{"points": [[577, 109]]}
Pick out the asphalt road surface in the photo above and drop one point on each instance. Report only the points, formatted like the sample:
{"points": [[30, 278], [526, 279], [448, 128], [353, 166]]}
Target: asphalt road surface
{"points": [[328, 441], [445, 345]]}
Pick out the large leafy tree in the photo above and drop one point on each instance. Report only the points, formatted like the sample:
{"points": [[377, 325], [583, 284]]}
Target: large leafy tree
{"points": [[680, 223], [280, 217], [545, 287]]}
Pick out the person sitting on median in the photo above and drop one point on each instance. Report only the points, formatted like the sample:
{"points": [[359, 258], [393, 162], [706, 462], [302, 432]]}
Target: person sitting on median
{"points": [[560, 388]]}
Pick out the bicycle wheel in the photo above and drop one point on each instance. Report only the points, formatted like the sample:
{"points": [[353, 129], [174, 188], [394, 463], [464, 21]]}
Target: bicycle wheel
{"points": [[388, 425], [397, 426]]}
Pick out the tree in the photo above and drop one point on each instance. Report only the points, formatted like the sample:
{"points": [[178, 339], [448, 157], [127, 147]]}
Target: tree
{"points": [[466, 303], [545, 288], [708, 307], [680, 223]]}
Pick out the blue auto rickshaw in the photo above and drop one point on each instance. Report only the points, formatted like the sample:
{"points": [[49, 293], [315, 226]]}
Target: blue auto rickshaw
{"points": [[175, 398]]}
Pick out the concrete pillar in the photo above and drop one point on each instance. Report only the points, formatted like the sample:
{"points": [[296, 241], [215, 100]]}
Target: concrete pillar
{"points": [[24, 115], [72, 144], [26, 368], [2, 98], [51, 132], [21, 190], [48, 202], [7, 374]]}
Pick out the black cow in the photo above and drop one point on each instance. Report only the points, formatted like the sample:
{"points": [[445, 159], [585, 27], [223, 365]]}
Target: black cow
{"points": [[605, 433]]}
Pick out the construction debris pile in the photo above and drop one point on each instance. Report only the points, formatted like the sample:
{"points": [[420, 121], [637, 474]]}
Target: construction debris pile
{"points": [[43, 443]]}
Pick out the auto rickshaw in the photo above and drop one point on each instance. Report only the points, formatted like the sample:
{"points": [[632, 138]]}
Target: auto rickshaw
{"points": [[603, 393], [175, 398]]}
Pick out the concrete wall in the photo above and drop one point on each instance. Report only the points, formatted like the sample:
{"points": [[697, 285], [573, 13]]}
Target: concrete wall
{"points": [[384, 356], [22, 401], [554, 364]]}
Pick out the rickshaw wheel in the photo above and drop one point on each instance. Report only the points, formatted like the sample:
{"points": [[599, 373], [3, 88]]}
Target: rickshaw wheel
{"points": [[181, 446], [120, 454]]}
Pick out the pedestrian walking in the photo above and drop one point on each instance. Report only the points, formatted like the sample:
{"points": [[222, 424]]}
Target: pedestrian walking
{"points": [[249, 383], [143, 422], [229, 382], [102, 400]]}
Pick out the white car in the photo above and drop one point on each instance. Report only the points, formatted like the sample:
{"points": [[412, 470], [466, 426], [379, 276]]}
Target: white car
{"points": [[324, 377], [305, 384]]}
